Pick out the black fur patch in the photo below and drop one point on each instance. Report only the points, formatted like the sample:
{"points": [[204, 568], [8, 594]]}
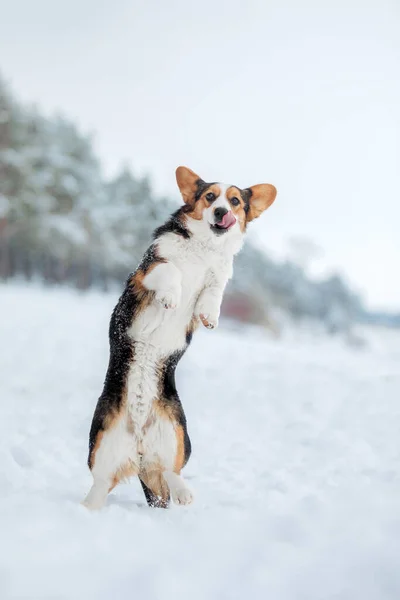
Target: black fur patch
{"points": [[174, 225], [189, 335], [122, 349], [121, 356], [150, 258], [190, 330], [246, 195], [152, 499], [169, 395], [201, 187]]}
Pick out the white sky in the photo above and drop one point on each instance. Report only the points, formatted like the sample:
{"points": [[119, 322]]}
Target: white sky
{"points": [[301, 94]]}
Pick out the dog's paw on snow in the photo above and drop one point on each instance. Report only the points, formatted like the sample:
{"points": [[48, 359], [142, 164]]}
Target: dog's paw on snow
{"points": [[182, 495]]}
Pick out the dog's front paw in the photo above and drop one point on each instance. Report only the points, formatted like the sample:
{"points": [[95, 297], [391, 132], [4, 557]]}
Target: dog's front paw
{"points": [[210, 321], [169, 299], [207, 309]]}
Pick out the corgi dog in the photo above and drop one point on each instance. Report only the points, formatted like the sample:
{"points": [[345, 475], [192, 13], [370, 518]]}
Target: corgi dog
{"points": [[139, 426]]}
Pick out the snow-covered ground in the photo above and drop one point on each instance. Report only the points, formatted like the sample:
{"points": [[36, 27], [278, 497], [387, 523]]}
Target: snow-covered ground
{"points": [[295, 466]]}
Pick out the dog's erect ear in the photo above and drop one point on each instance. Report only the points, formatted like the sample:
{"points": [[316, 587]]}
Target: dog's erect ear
{"points": [[187, 182], [261, 197]]}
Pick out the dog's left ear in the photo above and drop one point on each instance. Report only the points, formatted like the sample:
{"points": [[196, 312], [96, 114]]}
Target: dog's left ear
{"points": [[261, 198], [188, 183]]}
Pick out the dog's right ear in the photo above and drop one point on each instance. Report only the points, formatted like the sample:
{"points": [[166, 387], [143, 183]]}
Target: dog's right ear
{"points": [[188, 183]]}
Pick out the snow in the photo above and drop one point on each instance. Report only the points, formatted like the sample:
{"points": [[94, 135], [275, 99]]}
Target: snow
{"points": [[295, 466]]}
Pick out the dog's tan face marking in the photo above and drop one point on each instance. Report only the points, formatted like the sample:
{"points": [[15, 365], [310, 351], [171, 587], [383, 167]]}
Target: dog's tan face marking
{"points": [[202, 203], [232, 195], [238, 206]]}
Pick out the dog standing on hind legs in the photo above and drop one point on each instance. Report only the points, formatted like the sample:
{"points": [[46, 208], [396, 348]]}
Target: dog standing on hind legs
{"points": [[139, 426]]}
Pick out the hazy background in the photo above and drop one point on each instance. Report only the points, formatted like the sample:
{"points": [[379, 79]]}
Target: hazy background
{"points": [[304, 95]]}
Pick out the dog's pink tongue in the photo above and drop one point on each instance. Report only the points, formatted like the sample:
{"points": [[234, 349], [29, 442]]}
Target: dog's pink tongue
{"points": [[227, 220]]}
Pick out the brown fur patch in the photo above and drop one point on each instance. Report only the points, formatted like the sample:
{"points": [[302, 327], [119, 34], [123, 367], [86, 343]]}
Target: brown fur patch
{"points": [[153, 478], [110, 421], [166, 409], [238, 211], [206, 323], [171, 410], [143, 295], [129, 469], [201, 204], [180, 449], [191, 328]]}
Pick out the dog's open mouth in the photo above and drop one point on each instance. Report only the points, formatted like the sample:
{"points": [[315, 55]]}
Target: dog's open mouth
{"points": [[227, 221]]}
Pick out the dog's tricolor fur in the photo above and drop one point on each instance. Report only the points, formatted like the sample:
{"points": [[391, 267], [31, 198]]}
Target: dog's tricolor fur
{"points": [[139, 427]]}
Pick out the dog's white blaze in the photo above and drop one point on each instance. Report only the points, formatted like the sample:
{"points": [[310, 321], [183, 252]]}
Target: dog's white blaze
{"points": [[220, 202]]}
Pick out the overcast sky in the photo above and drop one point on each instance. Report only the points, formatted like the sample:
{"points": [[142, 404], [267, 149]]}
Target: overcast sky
{"points": [[301, 94]]}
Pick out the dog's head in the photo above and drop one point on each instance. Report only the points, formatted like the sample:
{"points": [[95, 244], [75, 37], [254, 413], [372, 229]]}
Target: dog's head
{"points": [[224, 210]]}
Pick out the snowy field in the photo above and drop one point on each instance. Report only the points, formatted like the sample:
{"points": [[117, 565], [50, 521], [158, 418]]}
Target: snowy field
{"points": [[295, 466]]}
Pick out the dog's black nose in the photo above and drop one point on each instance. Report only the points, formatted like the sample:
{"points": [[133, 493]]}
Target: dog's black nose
{"points": [[219, 213]]}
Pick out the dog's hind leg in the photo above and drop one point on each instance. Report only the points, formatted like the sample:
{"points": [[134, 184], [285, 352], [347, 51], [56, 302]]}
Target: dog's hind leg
{"points": [[155, 488], [112, 458], [96, 498], [152, 499]]}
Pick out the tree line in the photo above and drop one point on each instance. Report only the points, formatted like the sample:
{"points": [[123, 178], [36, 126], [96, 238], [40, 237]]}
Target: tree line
{"points": [[63, 222]]}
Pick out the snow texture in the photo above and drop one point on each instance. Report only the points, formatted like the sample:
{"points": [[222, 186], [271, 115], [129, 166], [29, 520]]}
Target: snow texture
{"points": [[295, 466]]}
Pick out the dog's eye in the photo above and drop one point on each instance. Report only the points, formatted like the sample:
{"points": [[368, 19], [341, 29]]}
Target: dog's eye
{"points": [[235, 201], [210, 197]]}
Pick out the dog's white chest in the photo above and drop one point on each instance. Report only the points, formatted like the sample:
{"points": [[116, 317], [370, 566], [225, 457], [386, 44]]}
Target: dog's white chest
{"points": [[158, 332]]}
